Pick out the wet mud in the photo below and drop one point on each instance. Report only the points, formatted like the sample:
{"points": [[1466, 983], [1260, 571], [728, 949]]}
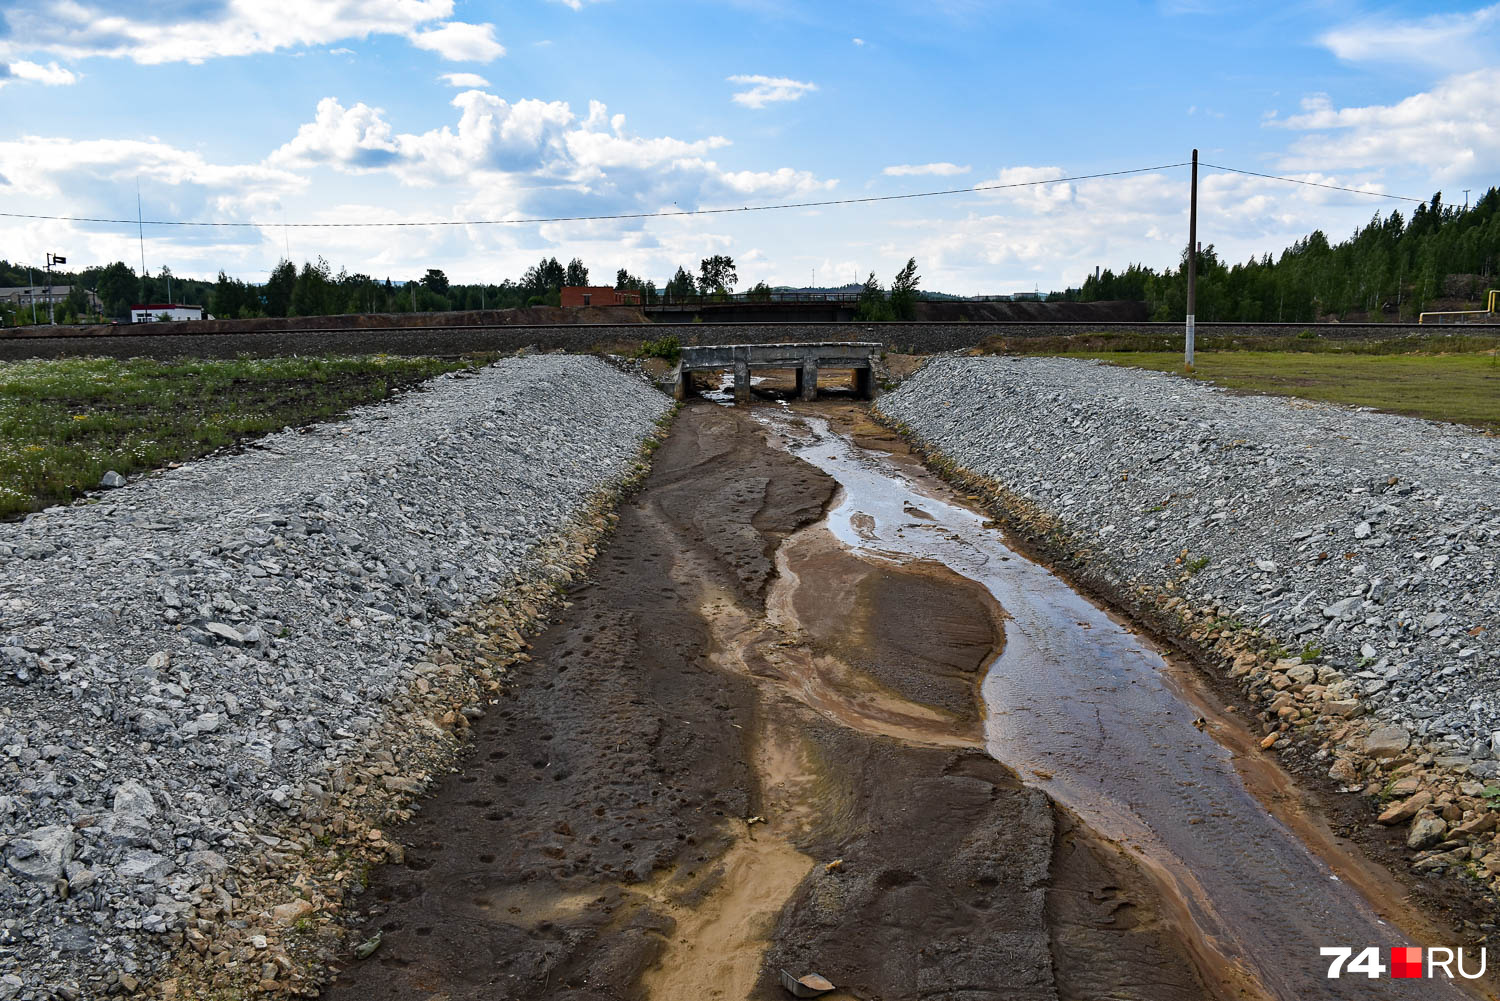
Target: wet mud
{"points": [[741, 750], [809, 714]]}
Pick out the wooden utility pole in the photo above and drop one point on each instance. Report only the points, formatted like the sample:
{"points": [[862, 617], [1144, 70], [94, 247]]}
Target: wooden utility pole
{"points": [[1192, 265]]}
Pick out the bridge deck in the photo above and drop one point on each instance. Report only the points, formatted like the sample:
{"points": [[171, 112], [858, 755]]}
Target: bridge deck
{"points": [[806, 359]]}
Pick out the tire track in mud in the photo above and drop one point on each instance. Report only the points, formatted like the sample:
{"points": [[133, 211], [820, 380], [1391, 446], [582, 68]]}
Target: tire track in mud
{"points": [[732, 755]]}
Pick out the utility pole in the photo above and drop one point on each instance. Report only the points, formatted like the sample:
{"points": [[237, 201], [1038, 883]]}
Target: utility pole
{"points": [[1466, 199], [140, 227], [51, 310], [31, 279], [1192, 265]]}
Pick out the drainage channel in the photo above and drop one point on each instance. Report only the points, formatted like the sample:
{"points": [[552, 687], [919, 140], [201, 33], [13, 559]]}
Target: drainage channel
{"points": [[1096, 717]]}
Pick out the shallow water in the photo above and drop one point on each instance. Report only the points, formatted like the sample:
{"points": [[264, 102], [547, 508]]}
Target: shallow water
{"points": [[1094, 715]]}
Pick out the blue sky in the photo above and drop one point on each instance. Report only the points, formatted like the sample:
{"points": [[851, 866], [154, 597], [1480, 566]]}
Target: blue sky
{"points": [[357, 110]]}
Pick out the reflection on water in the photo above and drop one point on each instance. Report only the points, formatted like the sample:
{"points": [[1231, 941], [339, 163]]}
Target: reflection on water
{"points": [[1085, 710]]}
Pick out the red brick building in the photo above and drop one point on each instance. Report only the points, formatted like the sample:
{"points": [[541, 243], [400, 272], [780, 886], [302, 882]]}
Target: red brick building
{"points": [[602, 295]]}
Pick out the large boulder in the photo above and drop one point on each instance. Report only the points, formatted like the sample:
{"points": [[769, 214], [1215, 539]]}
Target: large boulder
{"points": [[42, 854]]}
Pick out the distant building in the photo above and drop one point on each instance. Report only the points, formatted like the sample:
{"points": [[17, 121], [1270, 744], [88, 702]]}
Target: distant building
{"points": [[603, 295], [151, 312], [43, 295]]}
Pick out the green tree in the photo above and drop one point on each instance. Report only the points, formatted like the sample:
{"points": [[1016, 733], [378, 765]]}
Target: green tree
{"points": [[576, 274], [312, 293], [118, 289], [545, 279], [435, 282], [760, 293], [716, 275], [681, 285], [872, 305], [278, 288], [903, 300]]}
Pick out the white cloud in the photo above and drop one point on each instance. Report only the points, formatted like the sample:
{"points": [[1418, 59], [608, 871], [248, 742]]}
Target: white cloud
{"points": [[51, 75], [1452, 130], [943, 169], [765, 90], [858, 41], [464, 80], [551, 161], [1446, 42], [575, 4], [1022, 187], [195, 31], [354, 139], [461, 42], [98, 177]]}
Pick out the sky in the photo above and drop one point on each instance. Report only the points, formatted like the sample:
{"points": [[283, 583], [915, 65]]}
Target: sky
{"points": [[280, 112]]}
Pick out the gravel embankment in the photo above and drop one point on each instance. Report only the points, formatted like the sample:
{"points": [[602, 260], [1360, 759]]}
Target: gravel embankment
{"points": [[176, 658], [1370, 537]]}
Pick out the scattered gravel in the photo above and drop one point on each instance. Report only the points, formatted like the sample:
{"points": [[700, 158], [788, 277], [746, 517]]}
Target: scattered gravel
{"points": [[177, 657], [1369, 537]]}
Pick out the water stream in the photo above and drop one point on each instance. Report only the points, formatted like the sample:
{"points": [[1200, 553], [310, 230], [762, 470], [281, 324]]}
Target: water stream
{"points": [[1094, 714]]}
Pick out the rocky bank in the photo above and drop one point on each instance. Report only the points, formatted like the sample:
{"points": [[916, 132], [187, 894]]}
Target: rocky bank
{"points": [[1341, 564], [188, 664]]}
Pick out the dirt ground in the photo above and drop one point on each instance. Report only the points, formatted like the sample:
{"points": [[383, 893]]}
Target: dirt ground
{"points": [[742, 750]]}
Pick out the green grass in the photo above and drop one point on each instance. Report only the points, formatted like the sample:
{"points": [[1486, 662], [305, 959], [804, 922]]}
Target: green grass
{"points": [[64, 423], [1463, 388]]}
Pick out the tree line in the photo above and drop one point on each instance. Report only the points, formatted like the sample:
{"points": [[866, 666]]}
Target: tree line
{"points": [[315, 289], [1390, 268]]}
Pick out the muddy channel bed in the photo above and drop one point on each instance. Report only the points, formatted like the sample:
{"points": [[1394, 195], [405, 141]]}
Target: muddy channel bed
{"points": [[699, 780]]}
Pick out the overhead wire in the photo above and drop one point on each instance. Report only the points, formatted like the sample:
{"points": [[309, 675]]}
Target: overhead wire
{"points": [[1312, 184], [680, 213], [531, 220]]}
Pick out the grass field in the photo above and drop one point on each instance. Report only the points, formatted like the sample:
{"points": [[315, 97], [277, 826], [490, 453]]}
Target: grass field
{"points": [[1463, 388], [64, 423]]}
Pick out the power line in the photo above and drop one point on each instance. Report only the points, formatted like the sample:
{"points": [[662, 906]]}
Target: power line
{"points": [[599, 218], [1315, 184], [682, 213]]}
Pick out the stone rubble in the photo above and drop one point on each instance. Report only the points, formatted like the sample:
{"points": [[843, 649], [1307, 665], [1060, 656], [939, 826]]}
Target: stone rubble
{"points": [[1339, 562], [189, 664]]}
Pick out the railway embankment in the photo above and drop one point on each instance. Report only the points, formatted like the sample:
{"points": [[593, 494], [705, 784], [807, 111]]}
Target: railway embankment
{"points": [[1341, 567], [224, 670]]}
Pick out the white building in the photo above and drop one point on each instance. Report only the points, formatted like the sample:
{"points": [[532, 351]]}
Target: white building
{"points": [[151, 312]]}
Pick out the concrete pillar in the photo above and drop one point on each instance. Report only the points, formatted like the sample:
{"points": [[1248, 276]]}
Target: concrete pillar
{"points": [[683, 389], [864, 383], [742, 380], [809, 380]]}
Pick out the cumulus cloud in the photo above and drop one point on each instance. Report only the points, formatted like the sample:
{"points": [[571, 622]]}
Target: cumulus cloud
{"points": [[461, 42], [1451, 130], [764, 90], [198, 30], [943, 169], [858, 41], [466, 81], [1446, 42], [51, 75], [98, 177], [550, 160]]}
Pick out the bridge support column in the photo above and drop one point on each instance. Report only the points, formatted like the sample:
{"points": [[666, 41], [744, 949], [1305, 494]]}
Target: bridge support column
{"points": [[864, 383], [684, 389], [742, 381], [808, 380]]}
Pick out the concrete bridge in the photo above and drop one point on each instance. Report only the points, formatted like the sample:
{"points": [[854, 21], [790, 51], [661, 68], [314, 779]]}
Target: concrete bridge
{"points": [[804, 359]]}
